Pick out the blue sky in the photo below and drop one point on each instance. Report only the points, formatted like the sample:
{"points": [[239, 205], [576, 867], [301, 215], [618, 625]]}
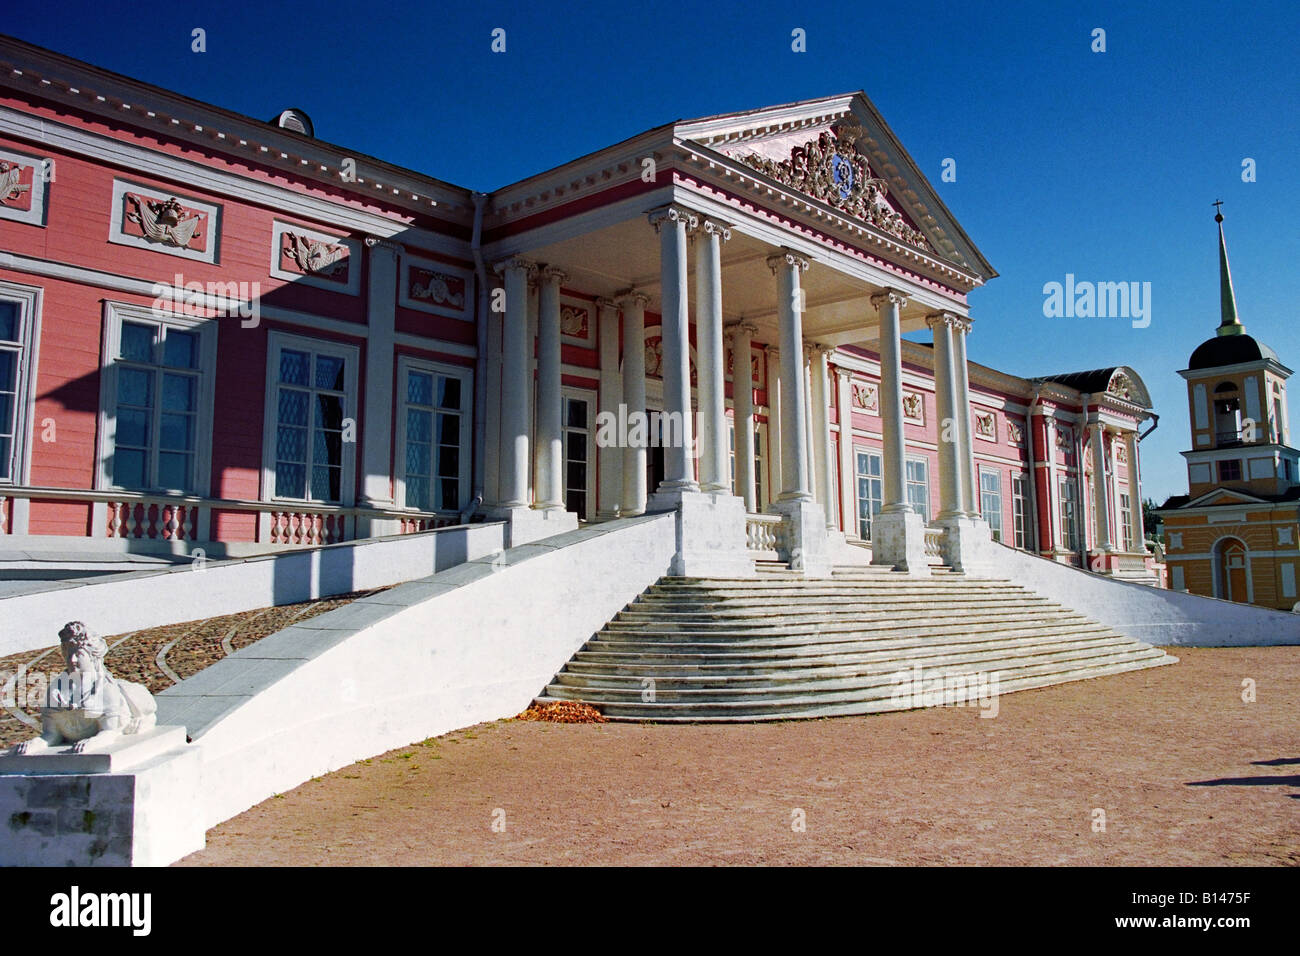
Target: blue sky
{"points": [[1103, 165]]}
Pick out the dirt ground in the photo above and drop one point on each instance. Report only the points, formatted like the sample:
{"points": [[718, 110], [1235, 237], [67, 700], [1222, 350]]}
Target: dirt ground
{"points": [[1183, 769]]}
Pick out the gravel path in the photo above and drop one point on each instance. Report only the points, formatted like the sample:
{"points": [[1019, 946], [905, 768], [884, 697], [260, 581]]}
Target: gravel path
{"points": [[1184, 771]]}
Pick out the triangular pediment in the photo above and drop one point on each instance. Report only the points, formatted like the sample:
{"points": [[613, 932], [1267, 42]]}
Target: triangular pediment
{"points": [[840, 152], [1224, 496]]}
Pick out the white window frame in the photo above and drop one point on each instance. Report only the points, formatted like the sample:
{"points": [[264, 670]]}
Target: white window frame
{"points": [[1126, 520], [998, 530], [28, 299], [405, 365], [760, 442], [1070, 527], [878, 454], [589, 396], [908, 483], [351, 354], [115, 313], [1025, 516]]}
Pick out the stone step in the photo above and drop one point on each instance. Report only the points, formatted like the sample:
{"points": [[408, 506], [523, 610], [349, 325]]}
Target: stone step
{"points": [[786, 611], [784, 647], [829, 678], [777, 663], [814, 709], [813, 626]]}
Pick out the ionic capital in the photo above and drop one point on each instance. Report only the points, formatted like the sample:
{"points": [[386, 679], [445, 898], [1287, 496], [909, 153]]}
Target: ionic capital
{"points": [[553, 274], [888, 297], [604, 303], [936, 319], [712, 227], [787, 259], [630, 297], [673, 214], [842, 373], [377, 244], [527, 266], [734, 330]]}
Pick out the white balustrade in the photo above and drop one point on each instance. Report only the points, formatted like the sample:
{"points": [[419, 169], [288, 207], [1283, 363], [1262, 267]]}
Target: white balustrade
{"points": [[934, 542], [764, 534]]}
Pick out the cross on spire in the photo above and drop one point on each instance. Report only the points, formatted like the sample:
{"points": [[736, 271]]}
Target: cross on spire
{"points": [[1218, 213]]}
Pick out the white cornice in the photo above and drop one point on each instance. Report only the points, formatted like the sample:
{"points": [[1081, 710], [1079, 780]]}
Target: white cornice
{"points": [[1258, 365], [89, 89], [199, 176]]}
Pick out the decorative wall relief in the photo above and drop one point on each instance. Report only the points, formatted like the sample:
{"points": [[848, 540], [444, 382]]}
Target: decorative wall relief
{"points": [[1015, 434], [437, 288], [914, 408], [866, 396], [22, 187], [986, 426], [577, 322], [165, 222], [316, 258]]}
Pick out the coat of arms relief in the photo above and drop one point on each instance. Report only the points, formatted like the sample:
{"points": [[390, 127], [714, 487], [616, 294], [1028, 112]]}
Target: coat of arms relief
{"points": [[831, 169]]}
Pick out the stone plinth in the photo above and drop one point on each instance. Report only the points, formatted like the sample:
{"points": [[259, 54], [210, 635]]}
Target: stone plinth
{"points": [[806, 545], [898, 540], [710, 533], [967, 544], [137, 802]]}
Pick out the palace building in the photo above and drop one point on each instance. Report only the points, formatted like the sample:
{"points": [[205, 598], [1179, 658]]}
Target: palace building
{"points": [[1234, 535], [226, 333]]}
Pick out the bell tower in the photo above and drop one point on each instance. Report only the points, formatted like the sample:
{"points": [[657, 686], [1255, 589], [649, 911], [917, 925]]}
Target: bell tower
{"points": [[1236, 397]]}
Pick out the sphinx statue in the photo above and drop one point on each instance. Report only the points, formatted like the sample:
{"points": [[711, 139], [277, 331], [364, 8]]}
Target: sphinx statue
{"points": [[85, 705]]}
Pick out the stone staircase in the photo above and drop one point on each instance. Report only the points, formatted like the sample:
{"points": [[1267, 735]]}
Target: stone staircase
{"points": [[782, 647]]}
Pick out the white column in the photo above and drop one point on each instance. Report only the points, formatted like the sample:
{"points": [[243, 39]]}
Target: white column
{"points": [[814, 475], [609, 459], [634, 454], [672, 223], [1135, 490], [775, 442], [742, 402], [714, 457], [377, 430], [894, 464], [824, 459], [549, 449], [516, 383], [945, 388], [1100, 496], [794, 428], [970, 490], [492, 414], [848, 471]]}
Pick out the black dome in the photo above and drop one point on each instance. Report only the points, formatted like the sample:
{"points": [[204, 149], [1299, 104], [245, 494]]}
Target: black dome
{"points": [[1229, 350]]}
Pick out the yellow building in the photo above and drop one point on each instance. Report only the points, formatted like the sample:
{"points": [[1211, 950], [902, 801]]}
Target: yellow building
{"points": [[1234, 535]]}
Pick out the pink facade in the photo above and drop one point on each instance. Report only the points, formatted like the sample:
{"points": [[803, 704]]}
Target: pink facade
{"points": [[335, 374]]}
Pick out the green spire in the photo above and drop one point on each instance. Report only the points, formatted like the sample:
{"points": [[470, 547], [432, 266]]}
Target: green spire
{"points": [[1229, 324]]}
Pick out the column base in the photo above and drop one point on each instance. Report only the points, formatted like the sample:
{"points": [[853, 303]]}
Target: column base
{"points": [[524, 524], [710, 533], [898, 540], [806, 545], [966, 544]]}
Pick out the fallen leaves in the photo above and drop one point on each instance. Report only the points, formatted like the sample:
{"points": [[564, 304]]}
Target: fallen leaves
{"points": [[564, 712]]}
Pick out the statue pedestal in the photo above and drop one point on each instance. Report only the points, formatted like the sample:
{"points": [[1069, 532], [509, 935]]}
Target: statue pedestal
{"points": [[137, 802]]}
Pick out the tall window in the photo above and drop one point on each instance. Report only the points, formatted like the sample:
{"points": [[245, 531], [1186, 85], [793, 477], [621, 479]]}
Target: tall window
{"points": [[991, 500], [156, 401], [12, 394], [577, 454], [870, 490], [434, 437], [1069, 531], [918, 487], [758, 461], [1020, 511], [1126, 521], [312, 412]]}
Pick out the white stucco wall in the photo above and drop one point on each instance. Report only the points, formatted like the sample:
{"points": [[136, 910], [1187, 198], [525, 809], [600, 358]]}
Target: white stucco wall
{"points": [[1154, 615], [117, 603], [475, 643]]}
